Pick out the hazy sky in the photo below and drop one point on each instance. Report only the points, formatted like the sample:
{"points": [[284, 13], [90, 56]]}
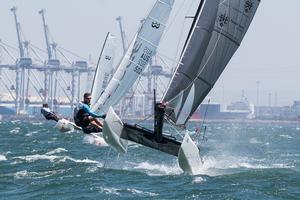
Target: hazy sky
{"points": [[268, 54]]}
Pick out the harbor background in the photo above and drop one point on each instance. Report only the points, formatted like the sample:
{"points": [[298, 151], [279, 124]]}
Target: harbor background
{"points": [[264, 72]]}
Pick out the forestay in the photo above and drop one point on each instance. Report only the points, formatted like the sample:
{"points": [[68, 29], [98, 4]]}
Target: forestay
{"points": [[138, 55], [206, 54], [104, 68]]}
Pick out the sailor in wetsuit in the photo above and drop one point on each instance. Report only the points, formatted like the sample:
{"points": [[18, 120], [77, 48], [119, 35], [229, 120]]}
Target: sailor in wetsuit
{"points": [[86, 118], [48, 114]]}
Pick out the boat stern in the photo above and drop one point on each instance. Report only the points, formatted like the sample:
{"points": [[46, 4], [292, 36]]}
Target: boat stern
{"points": [[112, 130], [189, 156], [64, 125]]}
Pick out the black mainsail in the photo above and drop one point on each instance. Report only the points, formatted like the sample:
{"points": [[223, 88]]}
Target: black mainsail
{"points": [[209, 50]]}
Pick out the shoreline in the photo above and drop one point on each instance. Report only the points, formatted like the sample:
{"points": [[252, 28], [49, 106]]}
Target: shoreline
{"points": [[139, 119]]}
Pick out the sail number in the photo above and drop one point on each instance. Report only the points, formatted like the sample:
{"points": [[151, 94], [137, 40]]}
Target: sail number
{"points": [[155, 25], [144, 59]]}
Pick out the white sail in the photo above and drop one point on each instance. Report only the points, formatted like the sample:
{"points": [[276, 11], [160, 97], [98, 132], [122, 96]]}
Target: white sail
{"points": [[104, 68], [138, 55]]}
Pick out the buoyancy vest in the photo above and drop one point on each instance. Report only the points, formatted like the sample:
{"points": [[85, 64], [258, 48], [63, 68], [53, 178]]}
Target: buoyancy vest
{"points": [[80, 116]]}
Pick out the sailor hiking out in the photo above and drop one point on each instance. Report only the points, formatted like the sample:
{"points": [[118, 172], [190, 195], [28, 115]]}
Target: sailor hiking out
{"points": [[86, 118], [48, 114]]}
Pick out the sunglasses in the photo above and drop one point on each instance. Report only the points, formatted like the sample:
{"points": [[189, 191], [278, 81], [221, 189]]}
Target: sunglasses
{"points": [[88, 98]]}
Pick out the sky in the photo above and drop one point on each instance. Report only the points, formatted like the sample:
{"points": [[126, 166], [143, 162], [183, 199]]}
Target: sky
{"points": [[266, 64]]}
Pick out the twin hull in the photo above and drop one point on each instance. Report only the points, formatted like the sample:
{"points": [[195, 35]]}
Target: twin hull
{"points": [[116, 134]]}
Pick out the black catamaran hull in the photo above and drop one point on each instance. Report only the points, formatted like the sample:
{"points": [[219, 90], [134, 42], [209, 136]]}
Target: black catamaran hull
{"points": [[147, 138], [116, 134]]}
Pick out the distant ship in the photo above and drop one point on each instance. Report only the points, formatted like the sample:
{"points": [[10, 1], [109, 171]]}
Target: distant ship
{"points": [[6, 111], [241, 109]]}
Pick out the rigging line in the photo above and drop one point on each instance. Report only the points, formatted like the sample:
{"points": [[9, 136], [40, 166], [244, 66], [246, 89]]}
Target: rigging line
{"points": [[37, 79], [8, 89], [36, 47], [172, 126], [107, 156], [9, 46], [176, 62], [173, 20], [181, 32], [202, 124], [7, 77], [36, 89], [36, 54], [72, 53], [205, 65], [60, 75], [64, 91], [61, 53], [8, 52], [132, 95], [146, 118], [161, 89]]}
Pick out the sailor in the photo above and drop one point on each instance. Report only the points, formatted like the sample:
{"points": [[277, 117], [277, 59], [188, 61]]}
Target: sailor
{"points": [[48, 114], [86, 118]]}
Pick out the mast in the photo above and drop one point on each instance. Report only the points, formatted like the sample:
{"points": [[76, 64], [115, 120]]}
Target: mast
{"points": [[193, 24], [42, 12]]}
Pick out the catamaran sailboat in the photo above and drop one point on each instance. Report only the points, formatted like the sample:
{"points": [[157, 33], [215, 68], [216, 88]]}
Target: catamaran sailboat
{"points": [[215, 34]]}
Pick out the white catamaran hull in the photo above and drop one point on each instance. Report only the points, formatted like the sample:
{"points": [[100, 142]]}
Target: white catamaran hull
{"points": [[112, 130], [188, 157], [65, 125]]}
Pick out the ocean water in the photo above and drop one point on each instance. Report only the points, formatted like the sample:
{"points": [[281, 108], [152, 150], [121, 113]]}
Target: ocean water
{"points": [[241, 161]]}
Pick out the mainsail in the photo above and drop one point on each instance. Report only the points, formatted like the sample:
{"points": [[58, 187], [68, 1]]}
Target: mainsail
{"points": [[138, 55], [208, 49], [104, 68]]}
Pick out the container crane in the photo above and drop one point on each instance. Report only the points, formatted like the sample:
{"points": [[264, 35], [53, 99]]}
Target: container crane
{"points": [[23, 62]]}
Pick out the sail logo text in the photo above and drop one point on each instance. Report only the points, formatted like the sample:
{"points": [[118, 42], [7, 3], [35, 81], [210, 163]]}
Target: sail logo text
{"points": [[155, 25], [108, 57], [105, 80], [223, 20], [145, 57], [248, 6]]}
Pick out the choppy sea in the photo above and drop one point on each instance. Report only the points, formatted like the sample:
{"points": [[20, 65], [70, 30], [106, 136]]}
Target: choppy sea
{"points": [[241, 161]]}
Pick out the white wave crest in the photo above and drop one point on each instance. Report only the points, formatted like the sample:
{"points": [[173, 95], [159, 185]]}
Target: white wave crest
{"points": [[58, 150], [254, 141], [135, 191], [36, 123], [53, 158], [110, 190], [286, 136], [2, 158], [219, 165], [117, 191], [158, 169], [199, 179], [15, 130], [36, 175], [94, 140]]}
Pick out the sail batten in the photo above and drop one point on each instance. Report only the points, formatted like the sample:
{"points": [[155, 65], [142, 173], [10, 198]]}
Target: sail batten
{"points": [[104, 68], [218, 33], [137, 57]]}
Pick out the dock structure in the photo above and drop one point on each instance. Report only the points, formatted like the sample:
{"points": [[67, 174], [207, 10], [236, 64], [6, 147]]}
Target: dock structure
{"points": [[30, 80], [24, 78]]}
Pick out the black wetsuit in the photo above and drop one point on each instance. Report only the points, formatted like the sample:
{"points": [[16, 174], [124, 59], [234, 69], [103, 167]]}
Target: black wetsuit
{"points": [[81, 118], [49, 115]]}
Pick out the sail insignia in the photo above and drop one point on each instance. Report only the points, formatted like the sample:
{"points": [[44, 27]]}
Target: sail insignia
{"points": [[201, 67]]}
